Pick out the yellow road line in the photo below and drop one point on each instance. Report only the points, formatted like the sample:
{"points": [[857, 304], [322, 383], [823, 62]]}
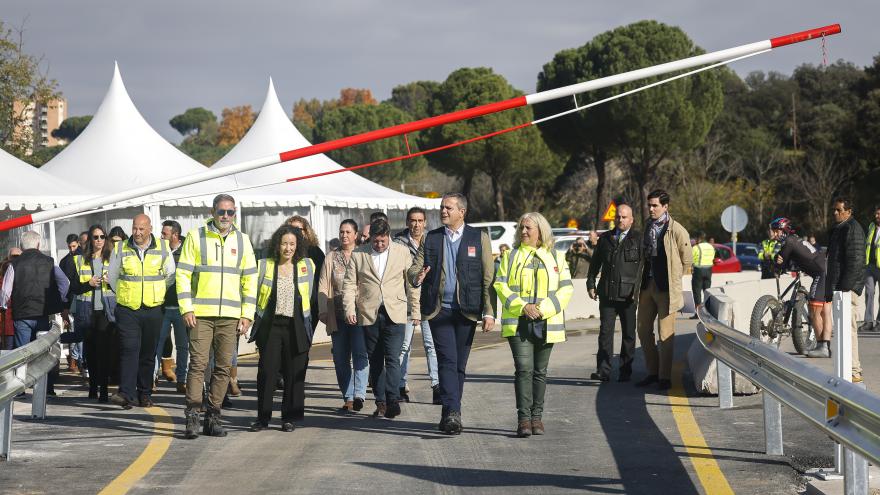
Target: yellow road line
{"points": [[154, 451], [700, 455]]}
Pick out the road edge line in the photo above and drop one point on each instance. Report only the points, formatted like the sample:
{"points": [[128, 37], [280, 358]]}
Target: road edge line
{"points": [[152, 454]]}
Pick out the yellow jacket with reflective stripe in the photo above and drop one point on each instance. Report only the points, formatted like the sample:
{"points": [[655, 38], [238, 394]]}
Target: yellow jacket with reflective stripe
{"points": [[305, 277], [768, 249], [704, 254], [872, 229], [519, 280], [217, 276], [84, 271], [141, 281]]}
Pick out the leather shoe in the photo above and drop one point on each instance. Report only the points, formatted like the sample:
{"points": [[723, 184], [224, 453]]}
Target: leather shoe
{"points": [[644, 382], [380, 410], [599, 376], [181, 388], [259, 425], [453, 424], [393, 410], [404, 394], [120, 400], [664, 384], [524, 429], [537, 426], [347, 407], [146, 401], [288, 427], [358, 404]]}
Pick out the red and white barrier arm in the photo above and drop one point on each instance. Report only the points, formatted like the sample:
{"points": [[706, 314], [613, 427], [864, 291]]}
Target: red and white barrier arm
{"points": [[397, 130]]}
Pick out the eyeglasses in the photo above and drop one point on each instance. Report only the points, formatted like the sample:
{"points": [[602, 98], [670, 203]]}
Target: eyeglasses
{"points": [[225, 213], [99, 237]]}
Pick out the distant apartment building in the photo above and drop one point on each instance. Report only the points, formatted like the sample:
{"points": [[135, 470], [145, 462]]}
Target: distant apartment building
{"points": [[39, 120]]}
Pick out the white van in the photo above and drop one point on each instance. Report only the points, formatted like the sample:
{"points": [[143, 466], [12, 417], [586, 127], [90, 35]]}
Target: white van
{"points": [[499, 233]]}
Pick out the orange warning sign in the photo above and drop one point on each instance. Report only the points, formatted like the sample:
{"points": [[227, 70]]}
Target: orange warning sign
{"points": [[610, 212]]}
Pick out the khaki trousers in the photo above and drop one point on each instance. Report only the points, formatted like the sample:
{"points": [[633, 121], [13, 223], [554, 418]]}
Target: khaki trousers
{"points": [[219, 334], [858, 309], [654, 304]]}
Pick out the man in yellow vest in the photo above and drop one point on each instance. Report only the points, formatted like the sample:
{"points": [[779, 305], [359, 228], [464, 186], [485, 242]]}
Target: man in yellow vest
{"points": [[872, 273], [217, 294], [701, 278], [141, 269], [769, 249]]}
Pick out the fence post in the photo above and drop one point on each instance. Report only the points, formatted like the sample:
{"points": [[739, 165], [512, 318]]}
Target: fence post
{"points": [[722, 309], [772, 424], [38, 398], [855, 473], [841, 352]]}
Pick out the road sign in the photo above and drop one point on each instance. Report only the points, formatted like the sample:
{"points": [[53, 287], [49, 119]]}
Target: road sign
{"points": [[610, 212], [734, 219]]}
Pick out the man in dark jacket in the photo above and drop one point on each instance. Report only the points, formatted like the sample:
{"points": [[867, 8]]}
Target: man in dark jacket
{"points": [[619, 255], [846, 268], [74, 357]]}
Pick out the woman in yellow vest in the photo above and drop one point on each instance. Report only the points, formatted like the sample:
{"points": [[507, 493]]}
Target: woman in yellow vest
{"points": [[93, 310], [534, 285], [283, 328]]}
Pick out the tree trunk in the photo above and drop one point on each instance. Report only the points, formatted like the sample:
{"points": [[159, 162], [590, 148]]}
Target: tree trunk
{"points": [[599, 159], [499, 198], [642, 182], [466, 187]]}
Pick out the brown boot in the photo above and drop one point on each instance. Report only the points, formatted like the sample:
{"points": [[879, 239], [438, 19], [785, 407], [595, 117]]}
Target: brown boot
{"points": [[181, 388], [71, 366], [168, 369], [233, 389]]}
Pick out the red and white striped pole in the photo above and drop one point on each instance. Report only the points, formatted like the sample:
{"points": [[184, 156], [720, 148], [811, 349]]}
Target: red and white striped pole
{"points": [[552, 94]]}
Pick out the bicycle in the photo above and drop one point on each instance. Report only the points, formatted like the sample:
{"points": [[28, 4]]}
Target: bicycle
{"points": [[774, 317]]}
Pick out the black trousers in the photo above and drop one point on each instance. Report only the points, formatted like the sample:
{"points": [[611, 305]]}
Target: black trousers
{"points": [[98, 350], [280, 353], [138, 337], [701, 279], [453, 336], [609, 311]]}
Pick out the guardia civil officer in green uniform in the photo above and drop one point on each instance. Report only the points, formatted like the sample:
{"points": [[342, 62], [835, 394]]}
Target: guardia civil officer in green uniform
{"points": [[283, 328], [141, 269]]}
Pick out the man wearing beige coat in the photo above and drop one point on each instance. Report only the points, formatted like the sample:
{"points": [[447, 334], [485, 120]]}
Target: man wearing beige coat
{"points": [[668, 256], [377, 296]]}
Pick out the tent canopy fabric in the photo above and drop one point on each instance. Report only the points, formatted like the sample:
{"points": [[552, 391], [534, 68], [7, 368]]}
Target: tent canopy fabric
{"points": [[27, 188], [272, 133], [119, 150]]}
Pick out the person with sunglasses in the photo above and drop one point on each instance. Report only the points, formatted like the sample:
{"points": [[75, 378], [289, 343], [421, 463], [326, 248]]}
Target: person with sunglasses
{"points": [[217, 294]]}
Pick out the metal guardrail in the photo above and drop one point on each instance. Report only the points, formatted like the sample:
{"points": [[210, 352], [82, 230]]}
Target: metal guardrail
{"points": [[847, 413], [23, 368]]}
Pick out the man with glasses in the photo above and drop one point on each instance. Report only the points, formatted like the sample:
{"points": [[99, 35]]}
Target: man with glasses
{"points": [[217, 295]]}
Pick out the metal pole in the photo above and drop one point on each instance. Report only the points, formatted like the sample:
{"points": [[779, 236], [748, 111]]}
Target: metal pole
{"points": [[772, 425], [855, 473], [6, 430], [725, 385], [38, 399], [841, 343]]}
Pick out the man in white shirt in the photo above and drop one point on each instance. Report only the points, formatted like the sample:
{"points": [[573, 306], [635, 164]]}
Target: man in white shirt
{"points": [[377, 296]]}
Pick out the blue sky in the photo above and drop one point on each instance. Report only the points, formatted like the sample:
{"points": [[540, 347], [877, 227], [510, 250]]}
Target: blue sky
{"points": [[174, 55]]}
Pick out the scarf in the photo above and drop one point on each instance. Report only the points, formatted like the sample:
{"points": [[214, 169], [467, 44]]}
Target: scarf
{"points": [[652, 233]]}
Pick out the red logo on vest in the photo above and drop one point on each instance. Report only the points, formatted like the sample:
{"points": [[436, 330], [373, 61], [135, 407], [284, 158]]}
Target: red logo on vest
{"points": [[304, 270], [472, 251], [556, 269], [234, 251]]}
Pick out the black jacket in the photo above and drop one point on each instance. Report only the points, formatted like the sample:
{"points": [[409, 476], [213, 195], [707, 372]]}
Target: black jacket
{"points": [[620, 265], [846, 258], [34, 289]]}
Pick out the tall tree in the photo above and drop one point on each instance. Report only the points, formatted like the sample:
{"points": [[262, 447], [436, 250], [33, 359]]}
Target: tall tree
{"points": [[414, 98], [505, 158], [354, 119], [651, 126], [71, 127], [23, 82], [192, 120], [235, 124], [307, 113]]}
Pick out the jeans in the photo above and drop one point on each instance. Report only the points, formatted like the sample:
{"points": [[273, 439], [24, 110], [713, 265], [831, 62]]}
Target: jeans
{"points": [[453, 336], [26, 330], [350, 349], [172, 317], [430, 353], [530, 359], [872, 278], [384, 340], [138, 333]]}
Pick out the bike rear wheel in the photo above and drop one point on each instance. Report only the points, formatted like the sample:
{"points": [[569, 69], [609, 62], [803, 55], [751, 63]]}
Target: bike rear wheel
{"points": [[762, 325], [803, 335]]}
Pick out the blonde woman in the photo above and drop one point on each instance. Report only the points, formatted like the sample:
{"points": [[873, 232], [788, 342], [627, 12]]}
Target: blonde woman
{"points": [[534, 284]]}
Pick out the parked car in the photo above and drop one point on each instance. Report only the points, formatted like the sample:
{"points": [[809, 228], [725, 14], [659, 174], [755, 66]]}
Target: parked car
{"points": [[747, 253], [499, 233], [725, 260], [563, 242]]}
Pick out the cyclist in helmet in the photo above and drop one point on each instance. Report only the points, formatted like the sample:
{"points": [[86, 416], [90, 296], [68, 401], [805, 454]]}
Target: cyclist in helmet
{"points": [[799, 252]]}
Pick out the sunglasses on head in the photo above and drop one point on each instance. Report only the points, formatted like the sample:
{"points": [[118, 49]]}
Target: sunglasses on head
{"points": [[225, 213], [99, 237]]}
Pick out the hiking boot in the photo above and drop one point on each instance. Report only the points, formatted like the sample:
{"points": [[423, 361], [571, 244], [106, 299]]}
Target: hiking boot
{"points": [[233, 388], [453, 423], [393, 410], [192, 424], [537, 426], [168, 369], [212, 426], [524, 429], [380, 410]]}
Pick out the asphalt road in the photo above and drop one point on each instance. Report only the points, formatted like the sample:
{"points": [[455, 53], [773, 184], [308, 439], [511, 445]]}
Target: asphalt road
{"points": [[609, 438]]}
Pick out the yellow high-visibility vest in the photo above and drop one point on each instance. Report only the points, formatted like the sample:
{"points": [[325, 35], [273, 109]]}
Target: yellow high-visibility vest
{"points": [[872, 229], [84, 271], [704, 255], [142, 281], [534, 276], [305, 276], [217, 276]]}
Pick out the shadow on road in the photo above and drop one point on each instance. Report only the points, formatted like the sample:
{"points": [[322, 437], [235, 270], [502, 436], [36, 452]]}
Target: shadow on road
{"points": [[485, 478]]}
